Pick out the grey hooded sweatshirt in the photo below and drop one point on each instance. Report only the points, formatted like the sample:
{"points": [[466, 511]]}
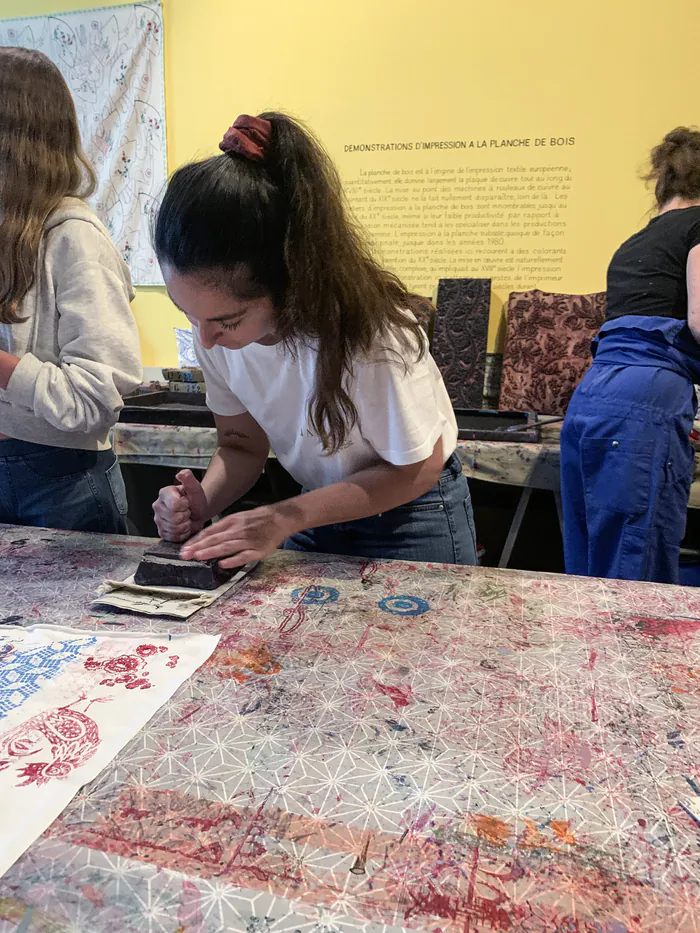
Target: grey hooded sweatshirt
{"points": [[79, 346]]}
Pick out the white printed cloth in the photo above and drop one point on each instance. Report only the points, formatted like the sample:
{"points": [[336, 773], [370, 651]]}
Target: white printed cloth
{"points": [[185, 347], [112, 60], [69, 701]]}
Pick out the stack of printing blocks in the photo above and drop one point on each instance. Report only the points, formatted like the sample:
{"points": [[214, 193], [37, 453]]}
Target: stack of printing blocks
{"points": [[186, 385]]}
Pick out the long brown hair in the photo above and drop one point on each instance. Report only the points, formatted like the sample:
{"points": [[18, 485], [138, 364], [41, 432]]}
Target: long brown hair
{"points": [[675, 166], [284, 222], [41, 162]]}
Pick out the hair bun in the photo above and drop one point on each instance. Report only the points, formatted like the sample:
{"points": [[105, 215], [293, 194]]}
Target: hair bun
{"points": [[681, 137], [675, 166]]}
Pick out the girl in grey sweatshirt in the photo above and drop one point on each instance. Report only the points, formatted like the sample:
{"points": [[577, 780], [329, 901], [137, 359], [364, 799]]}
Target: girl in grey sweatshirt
{"points": [[69, 347]]}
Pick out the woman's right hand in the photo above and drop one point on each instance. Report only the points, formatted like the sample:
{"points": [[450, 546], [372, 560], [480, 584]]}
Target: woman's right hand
{"points": [[181, 511]]}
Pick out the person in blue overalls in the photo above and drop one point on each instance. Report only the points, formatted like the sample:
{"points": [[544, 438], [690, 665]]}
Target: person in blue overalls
{"points": [[626, 456]]}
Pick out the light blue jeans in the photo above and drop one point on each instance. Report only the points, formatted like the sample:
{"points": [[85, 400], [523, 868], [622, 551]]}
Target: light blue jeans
{"points": [[437, 528]]}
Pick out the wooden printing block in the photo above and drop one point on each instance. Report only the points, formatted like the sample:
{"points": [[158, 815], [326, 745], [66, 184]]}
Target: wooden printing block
{"points": [[459, 341], [163, 566]]}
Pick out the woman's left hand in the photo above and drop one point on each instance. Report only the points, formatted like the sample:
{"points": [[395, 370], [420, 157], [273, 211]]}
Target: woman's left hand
{"points": [[239, 539]]}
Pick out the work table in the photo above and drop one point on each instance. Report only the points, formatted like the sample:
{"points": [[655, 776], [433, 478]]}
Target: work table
{"points": [[517, 464], [378, 746]]}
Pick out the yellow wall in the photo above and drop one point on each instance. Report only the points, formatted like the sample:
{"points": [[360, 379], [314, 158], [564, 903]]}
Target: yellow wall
{"points": [[615, 74]]}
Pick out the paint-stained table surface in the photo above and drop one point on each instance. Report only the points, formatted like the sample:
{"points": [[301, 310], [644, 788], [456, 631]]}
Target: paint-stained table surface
{"points": [[382, 746], [535, 465]]}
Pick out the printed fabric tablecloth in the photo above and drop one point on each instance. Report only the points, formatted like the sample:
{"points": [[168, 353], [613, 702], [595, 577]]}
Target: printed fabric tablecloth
{"points": [[380, 747], [164, 445], [535, 465]]}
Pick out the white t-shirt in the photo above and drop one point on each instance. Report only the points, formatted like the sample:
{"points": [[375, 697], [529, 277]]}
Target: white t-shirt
{"points": [[401, 413]]}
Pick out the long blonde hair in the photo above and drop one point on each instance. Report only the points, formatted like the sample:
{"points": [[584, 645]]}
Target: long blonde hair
{"points": [[41, 162]]}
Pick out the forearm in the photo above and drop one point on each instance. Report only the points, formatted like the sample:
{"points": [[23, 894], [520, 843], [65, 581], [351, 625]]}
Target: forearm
{"points": [[77, 397], [230, 474], [368, 492], [8, 363], [252, 535]]}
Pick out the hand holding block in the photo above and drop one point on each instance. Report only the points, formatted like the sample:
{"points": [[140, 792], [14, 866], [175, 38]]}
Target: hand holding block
{"points": [[163, 566]]}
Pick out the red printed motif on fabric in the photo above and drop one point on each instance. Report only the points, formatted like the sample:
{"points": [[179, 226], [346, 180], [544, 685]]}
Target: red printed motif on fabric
{"points": [[66, 736], [145, 651], [129, 669]]}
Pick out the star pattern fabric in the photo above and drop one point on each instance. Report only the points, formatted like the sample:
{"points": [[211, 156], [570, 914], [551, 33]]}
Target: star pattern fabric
{"points": [[383, 746]]}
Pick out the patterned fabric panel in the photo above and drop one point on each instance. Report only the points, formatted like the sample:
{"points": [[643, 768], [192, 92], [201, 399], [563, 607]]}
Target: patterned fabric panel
{"points": [[459, 341], [548, 348]]}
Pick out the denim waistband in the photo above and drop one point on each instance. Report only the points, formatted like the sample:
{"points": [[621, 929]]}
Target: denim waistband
{"points": [[14, 448]]}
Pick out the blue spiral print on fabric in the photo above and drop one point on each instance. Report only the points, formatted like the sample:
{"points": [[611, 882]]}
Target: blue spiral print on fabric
{"points": [[404, 605], [316, 595]]}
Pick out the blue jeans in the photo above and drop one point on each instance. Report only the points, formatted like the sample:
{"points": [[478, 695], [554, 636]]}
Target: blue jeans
{"points": [[438, 528], [57, 487], [626, 470]]}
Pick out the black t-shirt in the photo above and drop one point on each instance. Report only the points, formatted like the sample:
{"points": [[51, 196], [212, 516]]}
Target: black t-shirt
{"points": [[647, 275]]}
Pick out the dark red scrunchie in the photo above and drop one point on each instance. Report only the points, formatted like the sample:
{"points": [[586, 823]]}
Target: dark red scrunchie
{"points": [[249, 137]]}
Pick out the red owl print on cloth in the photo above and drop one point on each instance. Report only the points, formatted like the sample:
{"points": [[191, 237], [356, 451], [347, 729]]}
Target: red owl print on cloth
{"points": [[130, 670], [64, 735]]}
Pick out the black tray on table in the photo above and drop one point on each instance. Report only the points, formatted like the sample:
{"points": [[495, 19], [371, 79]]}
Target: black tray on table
{"points": [[473, 423], [483, 424], [162, 408]]}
